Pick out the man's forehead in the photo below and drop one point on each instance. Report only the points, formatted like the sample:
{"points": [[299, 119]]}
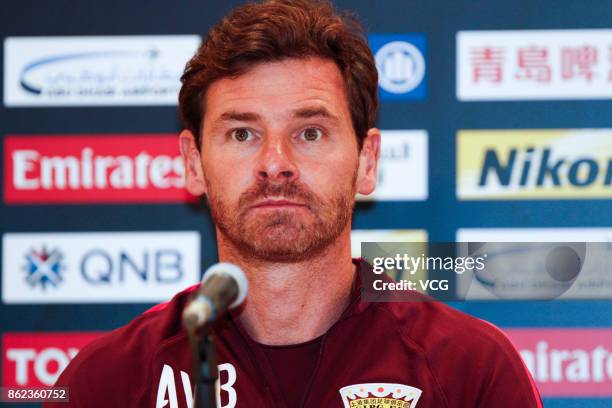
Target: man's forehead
{"points": [[302, 87], [305, 112]]}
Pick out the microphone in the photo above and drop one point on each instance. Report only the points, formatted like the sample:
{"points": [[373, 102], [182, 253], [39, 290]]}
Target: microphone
{"points": [[224, 286]]}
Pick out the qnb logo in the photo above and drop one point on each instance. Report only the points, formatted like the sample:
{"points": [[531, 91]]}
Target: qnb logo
{"points": [[401, 67], [101, 267], [541, 168], [44, 268]]}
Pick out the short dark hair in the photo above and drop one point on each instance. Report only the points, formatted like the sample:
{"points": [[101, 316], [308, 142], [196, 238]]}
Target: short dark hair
{"points": [[274, 30]]}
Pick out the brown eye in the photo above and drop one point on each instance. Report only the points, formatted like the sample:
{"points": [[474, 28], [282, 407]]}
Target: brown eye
{"points": [[311, 134], [241, 135]]}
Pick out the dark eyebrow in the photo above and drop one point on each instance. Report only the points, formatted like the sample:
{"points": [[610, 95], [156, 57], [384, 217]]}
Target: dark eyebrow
{"points": [[239, 116], [315, 111]]}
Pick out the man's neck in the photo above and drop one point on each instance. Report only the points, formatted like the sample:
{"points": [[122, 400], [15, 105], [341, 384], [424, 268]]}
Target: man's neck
{"points": [[291, 303]]}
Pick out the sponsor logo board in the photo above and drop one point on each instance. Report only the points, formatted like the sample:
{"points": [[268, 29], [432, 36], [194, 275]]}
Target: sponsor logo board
{"points": [[98, 267], [534, 235], [403, 167], [534, 164], [572, 362], [93, 169], [95, 70], [358, 236], [534, 65], [38, 359], [576, 268], [399, 236], [401, 64]]}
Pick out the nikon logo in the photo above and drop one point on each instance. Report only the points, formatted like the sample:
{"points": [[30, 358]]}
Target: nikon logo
{"points": [[537, 167], [523, 165]]}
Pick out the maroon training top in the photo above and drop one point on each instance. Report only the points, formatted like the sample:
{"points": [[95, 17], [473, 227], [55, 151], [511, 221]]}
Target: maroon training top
{"points": [[411, 354], [293, 367]]}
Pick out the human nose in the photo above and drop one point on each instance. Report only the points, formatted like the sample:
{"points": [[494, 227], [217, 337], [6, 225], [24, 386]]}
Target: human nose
{"points": [[276, 161]]}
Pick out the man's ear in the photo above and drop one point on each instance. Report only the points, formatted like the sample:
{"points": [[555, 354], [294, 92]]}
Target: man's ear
{"points": [[368, 162], [194, 173]]}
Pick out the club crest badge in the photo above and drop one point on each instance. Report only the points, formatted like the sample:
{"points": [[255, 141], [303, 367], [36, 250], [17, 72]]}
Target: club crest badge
{"points": [[381, 395]]}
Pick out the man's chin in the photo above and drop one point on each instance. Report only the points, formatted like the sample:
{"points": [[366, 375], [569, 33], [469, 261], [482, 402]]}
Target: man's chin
{"points": [[279, 254], [280, 246], [281, 243], [282, 236]]}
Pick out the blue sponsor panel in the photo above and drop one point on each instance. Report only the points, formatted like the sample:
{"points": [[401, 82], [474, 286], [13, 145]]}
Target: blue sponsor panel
{"points": [[401, 60]]}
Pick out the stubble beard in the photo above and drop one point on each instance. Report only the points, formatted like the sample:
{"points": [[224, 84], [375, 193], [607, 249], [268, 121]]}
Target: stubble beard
{"points": [[283, 235]]}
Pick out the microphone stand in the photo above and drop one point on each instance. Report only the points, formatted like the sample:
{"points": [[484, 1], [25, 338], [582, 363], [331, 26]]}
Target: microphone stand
{"points": [[223, 287], [204, 368]]}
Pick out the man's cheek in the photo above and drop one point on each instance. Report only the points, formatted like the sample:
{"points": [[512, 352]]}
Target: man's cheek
{"points": [[225, 180], [326, 186]]}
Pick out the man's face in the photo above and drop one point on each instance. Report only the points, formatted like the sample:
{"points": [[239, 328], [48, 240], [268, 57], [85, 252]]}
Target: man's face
{"points": [[280, 164]]}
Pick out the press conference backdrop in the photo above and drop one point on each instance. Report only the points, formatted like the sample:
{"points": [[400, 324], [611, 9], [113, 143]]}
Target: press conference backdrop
{"points": [[497, 125]]}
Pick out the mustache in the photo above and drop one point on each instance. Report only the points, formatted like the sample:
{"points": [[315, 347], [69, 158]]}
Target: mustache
{"points": [[290, 190]]}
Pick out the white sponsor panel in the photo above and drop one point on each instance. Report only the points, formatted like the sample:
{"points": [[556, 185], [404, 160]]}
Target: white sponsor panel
{"points": [[395, 239], [98, 267], [381, 235], [534, 64], [577, 268], [95, 70], [402, 169]]}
